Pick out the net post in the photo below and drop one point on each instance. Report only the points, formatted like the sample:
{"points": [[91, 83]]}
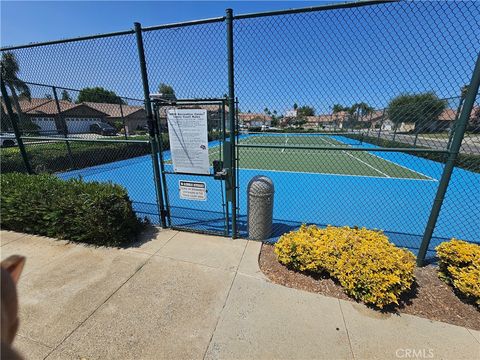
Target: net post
{"points": [[450, 163], [151, 128]]}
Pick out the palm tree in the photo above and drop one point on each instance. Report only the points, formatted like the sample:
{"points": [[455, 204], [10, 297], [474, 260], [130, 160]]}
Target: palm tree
{"points": [[9, 72], [338, 108]]}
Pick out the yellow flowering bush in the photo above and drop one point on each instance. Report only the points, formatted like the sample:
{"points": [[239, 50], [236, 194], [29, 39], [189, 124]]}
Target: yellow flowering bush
{"points": [[460, 266], [368, 266]]}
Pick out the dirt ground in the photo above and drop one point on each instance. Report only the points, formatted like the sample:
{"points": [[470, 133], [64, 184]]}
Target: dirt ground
{"points": [[430, 297]]}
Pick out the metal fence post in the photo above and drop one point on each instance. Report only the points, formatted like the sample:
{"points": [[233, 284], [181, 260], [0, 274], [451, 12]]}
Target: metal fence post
{"points": [[151, 127], [231, 115], [64, 126], [450, 163], [459, 108], [16, 130]]}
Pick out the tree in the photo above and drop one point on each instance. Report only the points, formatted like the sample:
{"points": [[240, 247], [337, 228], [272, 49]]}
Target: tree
{"points": [[305, 111], [336, 108], [99, 95], [360, 109], [48, 96], [299, 122], [168, 90], [295, 106], [66, 96], [9, 73], [275, 120], [474, 123], [420, 109], [294, 121]]}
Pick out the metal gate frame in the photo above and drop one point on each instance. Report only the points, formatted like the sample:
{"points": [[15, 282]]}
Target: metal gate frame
{"points": [[222, 170]]}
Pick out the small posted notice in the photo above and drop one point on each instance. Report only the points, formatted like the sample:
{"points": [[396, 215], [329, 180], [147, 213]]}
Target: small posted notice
{"points": [[187, 130], [193, 190]]}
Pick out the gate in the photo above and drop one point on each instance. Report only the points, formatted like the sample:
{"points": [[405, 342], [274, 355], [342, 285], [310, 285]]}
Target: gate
{"points": [[196, 196], [374, 124]]}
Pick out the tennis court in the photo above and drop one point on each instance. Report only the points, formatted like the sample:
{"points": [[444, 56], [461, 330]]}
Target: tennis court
{"points": [[283, 158], [391, 191]]}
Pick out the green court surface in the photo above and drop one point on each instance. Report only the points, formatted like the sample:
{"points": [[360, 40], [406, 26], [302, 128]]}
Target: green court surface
{"points": [[334, 162]]}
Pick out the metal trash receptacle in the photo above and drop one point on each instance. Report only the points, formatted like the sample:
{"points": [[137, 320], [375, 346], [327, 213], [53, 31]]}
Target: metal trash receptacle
{"points": [[260, 193]]}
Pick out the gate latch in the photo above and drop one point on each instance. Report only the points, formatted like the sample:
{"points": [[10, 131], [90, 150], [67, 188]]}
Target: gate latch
{"points": [[219, 173]]}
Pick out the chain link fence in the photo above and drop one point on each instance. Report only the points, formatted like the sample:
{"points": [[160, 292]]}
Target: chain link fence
{"points": [[354, 110]]}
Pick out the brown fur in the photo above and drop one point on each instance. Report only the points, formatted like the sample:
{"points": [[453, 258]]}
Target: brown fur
{"points": [[11, 268]]}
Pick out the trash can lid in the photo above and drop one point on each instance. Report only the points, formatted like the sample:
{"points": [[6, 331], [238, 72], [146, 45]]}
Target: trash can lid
{"points": [[261, 185]]}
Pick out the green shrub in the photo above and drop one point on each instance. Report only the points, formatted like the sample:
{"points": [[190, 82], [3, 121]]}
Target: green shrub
{"points": [[367, 265], [90, 212], [52, 157], [460, 266]]}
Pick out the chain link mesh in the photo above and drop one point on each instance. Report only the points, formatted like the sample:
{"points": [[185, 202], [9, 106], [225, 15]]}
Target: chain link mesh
{"points": [[345, 78], [351, 111]]}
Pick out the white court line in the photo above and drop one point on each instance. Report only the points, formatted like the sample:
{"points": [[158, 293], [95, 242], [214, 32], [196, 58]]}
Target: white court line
{"points": [[363, 162], [429, 178], [332, 174], [337, 153], [394, 163], [286, 141], [407, 168]]}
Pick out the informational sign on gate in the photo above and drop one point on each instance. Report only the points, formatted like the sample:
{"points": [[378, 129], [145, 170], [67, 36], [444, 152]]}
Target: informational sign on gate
{"points": [[193, 190], [188, 133]]}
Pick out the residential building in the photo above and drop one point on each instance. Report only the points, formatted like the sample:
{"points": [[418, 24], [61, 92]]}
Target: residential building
{"points": [[44, 113], [254, 119], [214, 115], [133, 117]]}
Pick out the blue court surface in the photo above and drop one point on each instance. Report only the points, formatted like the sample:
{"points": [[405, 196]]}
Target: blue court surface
{"points": [[398, 205]]}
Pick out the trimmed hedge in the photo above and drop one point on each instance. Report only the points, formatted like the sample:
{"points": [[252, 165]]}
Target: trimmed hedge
{"points": [[52, 157], [366, 264], [465, 161], [89, 212], [460, 266]]}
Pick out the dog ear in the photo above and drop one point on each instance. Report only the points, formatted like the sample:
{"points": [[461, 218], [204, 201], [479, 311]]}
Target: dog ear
{"points": [[14, 265]]}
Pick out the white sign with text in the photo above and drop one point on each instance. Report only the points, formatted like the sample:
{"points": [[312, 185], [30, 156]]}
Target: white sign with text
{"points": [[193, 190], [187, 130]]}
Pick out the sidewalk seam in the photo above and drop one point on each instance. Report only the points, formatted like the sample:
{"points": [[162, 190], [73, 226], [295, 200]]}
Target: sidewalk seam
{"points": [[346, 329], [13, 240], [473, 335], [225, 302], [103, 302], [193, 263], [32, 340]]}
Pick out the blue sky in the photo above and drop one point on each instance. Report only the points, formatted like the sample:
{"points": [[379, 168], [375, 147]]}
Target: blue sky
{"points": [[48, 20], [366, 54]]}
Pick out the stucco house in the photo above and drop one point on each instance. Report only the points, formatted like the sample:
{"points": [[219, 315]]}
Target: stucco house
{"points": [[134, 117], [214, 115], [44, 113], [254, 119]]}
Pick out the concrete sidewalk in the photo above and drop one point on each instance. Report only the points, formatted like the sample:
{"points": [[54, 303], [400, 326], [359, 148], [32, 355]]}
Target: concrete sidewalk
{"points": [[177, 295]]}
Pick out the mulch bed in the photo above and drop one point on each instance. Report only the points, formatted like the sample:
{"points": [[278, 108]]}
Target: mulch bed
{"points": [[430, 298]]}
